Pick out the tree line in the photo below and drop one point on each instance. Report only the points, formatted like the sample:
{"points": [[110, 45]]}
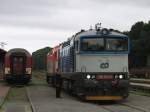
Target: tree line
{"points": [[140, 44]]}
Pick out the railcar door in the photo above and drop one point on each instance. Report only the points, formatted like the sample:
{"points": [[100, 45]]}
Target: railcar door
{"points": [[18, 65]]}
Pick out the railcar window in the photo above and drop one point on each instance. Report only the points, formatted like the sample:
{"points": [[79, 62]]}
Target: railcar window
{"points": [[113, 44], [90, 44]]}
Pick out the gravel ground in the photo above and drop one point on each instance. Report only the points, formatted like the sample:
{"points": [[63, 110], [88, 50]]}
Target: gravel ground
{"points": [[3, 92], [44, 100], [138, 101], [16, 100]]}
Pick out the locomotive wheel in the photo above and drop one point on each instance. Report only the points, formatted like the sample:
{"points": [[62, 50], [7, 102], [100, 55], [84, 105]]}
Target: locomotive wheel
{"points": [[50, 81]]}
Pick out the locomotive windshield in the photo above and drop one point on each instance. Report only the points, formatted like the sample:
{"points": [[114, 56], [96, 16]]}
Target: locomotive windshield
{"points": [[116, 44], [93, 44], [104, 44]]}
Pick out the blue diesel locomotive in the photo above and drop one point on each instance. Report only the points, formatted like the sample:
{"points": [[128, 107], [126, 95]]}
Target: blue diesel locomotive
{"points": [[93, 64]]}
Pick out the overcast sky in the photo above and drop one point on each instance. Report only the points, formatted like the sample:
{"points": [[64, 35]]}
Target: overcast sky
{"points": [[34, 24]]}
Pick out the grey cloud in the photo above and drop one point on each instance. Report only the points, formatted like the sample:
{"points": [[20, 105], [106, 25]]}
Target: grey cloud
{"points": [[37, 13], [63, 14], [40, 22], [28, 7], [60, 19], [137, 3]]}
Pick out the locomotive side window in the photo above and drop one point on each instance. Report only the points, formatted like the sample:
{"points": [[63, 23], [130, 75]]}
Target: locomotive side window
{"points": [[93, 44], [77, 45], [113, 44]]}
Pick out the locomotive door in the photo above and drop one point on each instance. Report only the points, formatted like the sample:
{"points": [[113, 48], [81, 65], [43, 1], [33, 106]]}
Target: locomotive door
{"points": [[18, 65]]}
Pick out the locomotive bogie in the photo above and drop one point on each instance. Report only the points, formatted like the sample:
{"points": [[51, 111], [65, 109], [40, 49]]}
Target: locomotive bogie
{"points": [[99, 85]]}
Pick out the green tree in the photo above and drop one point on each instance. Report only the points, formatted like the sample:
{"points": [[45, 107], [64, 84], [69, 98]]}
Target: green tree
{"points": [[135, 30], [140, 36]]}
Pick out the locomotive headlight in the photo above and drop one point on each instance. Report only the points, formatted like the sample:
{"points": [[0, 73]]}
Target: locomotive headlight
{"points": [[28, 70], [88, 76], [7, 70], [120, 76]]}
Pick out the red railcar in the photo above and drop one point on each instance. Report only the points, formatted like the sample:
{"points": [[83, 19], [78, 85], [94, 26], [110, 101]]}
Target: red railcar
{"points": [[52, 65], [18, 66], [2, 58]]}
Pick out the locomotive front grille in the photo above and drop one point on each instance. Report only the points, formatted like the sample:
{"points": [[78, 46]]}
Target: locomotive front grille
{"points": [[104, 77]]}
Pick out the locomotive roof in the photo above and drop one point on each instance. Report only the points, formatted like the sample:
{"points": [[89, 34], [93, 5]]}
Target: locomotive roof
{"points": [[18, 50], [93, 32], [2, 51]]}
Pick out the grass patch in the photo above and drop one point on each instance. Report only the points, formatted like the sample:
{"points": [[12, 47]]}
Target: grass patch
{"points": [[39, 77], [16, 94], [39, 74], [2, 81]]}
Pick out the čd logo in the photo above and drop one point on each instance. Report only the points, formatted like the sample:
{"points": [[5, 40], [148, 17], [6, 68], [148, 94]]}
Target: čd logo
{"points": [[104, 65]]}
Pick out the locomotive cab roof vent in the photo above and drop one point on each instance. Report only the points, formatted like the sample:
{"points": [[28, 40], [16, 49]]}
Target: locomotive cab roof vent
{"points": [[103, 31], [98, 27]]}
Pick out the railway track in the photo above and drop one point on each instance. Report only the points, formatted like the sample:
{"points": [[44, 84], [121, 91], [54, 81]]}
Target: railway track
{"points": [[134, 107], [17, 99], [25, 99], [123, 108], [3, 93], [138, 80], [140, 86]]}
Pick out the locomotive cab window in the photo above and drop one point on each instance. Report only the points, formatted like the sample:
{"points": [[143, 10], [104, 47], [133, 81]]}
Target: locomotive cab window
{"points": [[92, 44], [77, 45], [115, 44]]}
